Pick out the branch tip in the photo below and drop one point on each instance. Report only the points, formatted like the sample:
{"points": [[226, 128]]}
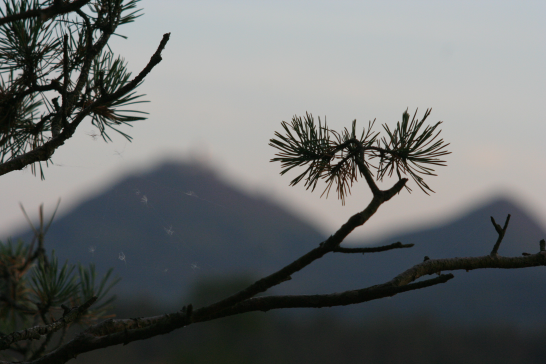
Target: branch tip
{"points": [[495, 225], [501, 232]]}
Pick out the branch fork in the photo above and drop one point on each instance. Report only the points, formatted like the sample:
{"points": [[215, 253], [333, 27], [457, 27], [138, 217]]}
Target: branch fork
{"points": [[501, 232]]}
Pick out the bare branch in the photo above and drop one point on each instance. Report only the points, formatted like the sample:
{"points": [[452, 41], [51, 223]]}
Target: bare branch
{"points": [[327, 300], [325, 247], [501, 232], [115, 332], [376, 249], [432, 266]]}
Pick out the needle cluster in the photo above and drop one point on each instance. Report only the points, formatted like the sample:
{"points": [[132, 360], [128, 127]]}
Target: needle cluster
{"points": [[40, 298], [54, 69], [339, 158]]}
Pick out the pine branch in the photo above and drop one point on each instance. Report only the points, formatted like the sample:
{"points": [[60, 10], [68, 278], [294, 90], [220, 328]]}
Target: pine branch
{"points": [[115, 332], [42, 60], [340, 158], [44, 152], [35, 333]]}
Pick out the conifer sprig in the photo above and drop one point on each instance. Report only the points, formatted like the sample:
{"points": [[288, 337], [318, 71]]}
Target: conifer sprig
{"points": [[335, 157], [52, 69]]}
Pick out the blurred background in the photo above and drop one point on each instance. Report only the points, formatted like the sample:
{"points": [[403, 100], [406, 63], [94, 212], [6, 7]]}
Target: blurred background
{"points": [[230, 74], [233, 71]]}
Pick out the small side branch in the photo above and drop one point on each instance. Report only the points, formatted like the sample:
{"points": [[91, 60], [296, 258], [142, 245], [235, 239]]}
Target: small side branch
{"points": [[130, 86], [327, 300], [501, 232], [376, 249]]}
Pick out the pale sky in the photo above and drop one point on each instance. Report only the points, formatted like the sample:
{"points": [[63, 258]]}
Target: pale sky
{"points": [[233, 70]]}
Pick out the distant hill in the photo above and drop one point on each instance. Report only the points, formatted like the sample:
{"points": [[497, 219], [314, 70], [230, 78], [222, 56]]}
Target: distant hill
{"points": [[517, 296], [166, 229], [175, 224]]}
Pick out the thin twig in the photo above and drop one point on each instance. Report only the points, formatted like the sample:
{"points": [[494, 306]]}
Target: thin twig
{"points": [[327, 300], [376, 249], [501, 232]]}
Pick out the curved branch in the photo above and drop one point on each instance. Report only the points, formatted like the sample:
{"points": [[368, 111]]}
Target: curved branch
{"points": [[325, 247], [130, 86], [116, 332], [52, 86], [327, 300]]}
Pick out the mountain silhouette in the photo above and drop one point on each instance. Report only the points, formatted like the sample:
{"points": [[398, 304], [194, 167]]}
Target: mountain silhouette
{"points": [[495, 295], [168, 228], [164, 229]]}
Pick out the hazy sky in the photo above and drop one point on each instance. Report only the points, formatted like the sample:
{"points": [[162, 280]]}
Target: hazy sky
{"points": [[233, 70]]}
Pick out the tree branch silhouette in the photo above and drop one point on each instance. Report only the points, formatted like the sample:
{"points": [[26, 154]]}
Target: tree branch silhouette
{"points": [[78, 67]]}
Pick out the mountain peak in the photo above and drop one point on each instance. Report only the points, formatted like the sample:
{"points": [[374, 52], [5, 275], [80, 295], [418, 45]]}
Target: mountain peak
{"points": [[499, 205], [523, 232], [176, 223]]}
